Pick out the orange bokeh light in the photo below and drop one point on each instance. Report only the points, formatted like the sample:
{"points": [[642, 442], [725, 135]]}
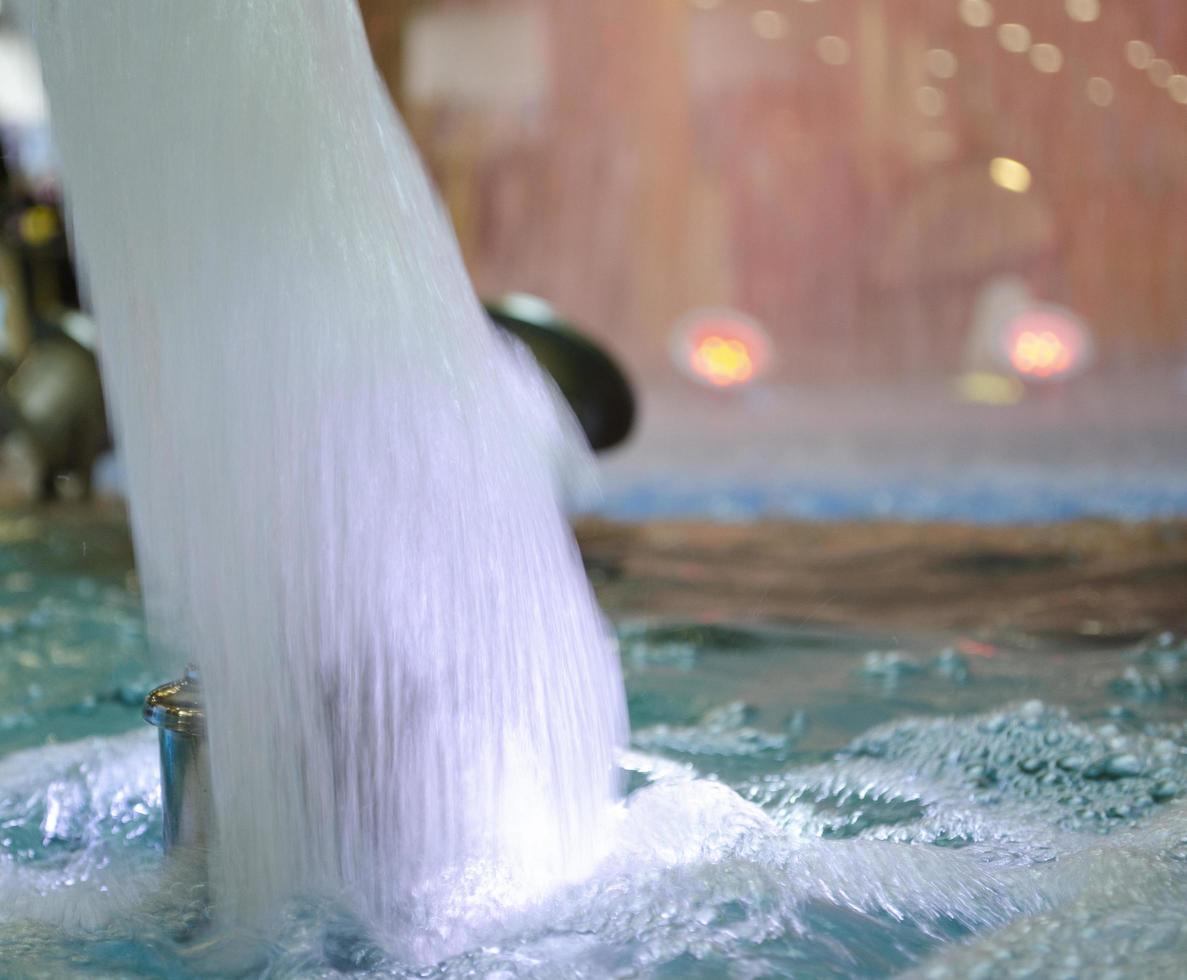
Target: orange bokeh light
{"points": [[1046, 344], [722, 361], [721, 348], [1040, 353]]}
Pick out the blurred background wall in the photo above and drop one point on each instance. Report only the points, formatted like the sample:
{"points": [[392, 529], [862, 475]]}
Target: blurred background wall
{"points": [[822, 166], [891, 257]]}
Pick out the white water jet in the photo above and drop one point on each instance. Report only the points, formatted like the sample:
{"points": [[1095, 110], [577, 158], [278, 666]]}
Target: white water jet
{"points": [[341, 480]]}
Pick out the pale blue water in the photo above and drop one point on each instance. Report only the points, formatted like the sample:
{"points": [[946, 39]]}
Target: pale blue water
{"points": [[803, 802], [1000, 497]]}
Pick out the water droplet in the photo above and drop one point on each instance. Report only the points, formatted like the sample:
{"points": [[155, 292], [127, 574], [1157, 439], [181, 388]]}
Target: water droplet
{"points": [[1162, 791], [1115, 767]]}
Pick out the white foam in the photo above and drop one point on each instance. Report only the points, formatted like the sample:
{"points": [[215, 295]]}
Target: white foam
{"points": [[84, 807], [693, 872]]}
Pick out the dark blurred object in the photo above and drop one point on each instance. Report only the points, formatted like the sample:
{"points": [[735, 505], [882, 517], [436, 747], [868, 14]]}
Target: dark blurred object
{"points": [[41, 296], [33, 236], [52, 413], [593, 385], [53, 421]]}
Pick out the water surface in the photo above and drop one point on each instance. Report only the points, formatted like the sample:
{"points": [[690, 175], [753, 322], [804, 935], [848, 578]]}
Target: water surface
{"points": [[807, 802]]}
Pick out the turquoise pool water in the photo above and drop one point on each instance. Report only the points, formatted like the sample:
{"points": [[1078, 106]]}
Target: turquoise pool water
{"points": [[803, 802]]}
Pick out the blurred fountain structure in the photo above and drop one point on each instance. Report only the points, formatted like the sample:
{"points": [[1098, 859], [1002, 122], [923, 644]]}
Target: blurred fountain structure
{"points": [[835, 172]]}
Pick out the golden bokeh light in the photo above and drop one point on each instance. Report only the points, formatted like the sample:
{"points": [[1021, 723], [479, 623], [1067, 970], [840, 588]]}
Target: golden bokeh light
{"points": [[1015, 38], [833, 50], [1046, 57], [1139, 54], [976, 13], [1010, 174], [1100, 91], [770, 25], [941, 62], [1085, 11], [39, 225], [989, 388], [1177, 86], [1160, 72]]}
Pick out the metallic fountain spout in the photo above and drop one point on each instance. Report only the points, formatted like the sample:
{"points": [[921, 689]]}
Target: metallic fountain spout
{"points": [[176, 709]]}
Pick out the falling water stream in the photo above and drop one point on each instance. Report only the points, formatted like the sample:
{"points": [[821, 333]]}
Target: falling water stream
{"points": [[343, 484]]}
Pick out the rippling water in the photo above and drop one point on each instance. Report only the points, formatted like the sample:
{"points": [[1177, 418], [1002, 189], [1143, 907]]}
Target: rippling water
{"points": [[818, 804]]}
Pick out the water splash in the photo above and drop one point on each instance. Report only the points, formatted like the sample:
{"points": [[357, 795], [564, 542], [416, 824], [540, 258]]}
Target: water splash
{"points": [[342, 483], [884, 856], [697, 878]]}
